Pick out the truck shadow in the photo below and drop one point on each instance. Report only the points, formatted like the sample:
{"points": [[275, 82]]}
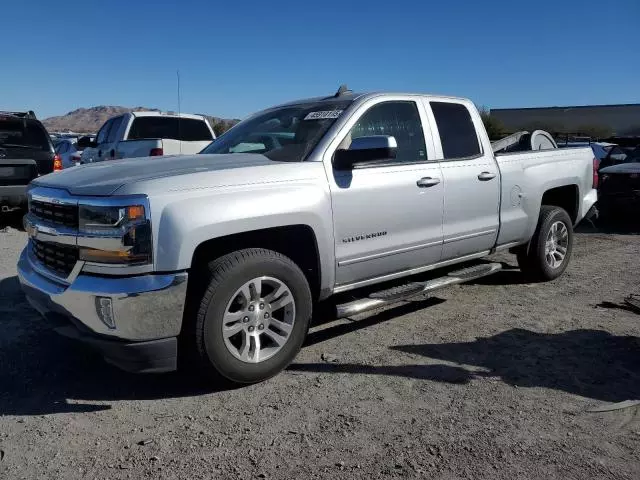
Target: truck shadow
{"points": [[589, 363], [327, 316], [42, 372]]}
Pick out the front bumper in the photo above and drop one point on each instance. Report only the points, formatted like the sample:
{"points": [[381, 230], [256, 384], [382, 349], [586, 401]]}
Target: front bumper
{"points": [[144, 312]]}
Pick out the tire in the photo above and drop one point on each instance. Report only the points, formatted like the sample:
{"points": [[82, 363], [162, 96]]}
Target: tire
{"points": [[534, 261], [241, 358]]}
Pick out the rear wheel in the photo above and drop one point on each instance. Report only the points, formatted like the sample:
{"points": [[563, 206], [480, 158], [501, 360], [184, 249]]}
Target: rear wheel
{"points": [[549, 251], [253, 316]]}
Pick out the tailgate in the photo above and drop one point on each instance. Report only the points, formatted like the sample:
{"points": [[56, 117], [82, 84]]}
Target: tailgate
{"points": [[18, 171], [137, 148], [191, 148]]}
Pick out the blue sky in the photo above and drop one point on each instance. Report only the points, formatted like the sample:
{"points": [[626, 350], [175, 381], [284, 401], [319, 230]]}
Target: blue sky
{"points": [[236, 57]]}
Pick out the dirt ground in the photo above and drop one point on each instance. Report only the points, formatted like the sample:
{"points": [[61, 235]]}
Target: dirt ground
{"points": [[487, 380]]}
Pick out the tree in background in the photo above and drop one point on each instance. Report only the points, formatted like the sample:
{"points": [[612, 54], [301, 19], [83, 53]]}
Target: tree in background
{"points": [[495, 128], [219, 128], [221, 125]]}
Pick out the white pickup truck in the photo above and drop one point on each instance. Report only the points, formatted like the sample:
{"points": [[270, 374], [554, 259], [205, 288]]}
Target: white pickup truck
{"points": [[147, 134], [223, 256]]}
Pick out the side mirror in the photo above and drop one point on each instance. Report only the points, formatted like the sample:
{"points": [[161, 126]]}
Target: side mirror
{"points": [[366, 149], [85, 142]]}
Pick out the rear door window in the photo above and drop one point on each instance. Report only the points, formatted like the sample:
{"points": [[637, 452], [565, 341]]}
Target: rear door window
{"points": [[192, 130], [153, 127], [457, 132], [186, 129]]}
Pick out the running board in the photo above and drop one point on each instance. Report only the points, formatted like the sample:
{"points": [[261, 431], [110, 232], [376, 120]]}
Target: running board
{"points": [[404, 292]]}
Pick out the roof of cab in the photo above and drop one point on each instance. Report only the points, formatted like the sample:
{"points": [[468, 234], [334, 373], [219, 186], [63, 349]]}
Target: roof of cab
{"points": [[353, 96], [166, 114]]}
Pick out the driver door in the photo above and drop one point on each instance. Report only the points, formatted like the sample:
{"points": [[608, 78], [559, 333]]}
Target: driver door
{"points": [[387, 214]]}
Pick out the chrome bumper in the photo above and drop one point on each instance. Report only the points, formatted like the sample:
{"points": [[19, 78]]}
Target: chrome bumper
{"points": [[142, 308]]}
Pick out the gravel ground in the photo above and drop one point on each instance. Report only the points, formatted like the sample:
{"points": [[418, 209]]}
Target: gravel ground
{"points": [[487, 380]]}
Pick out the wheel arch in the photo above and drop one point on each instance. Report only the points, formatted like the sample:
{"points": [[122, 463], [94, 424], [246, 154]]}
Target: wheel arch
{"points": [[297, 242], [565, 197]]}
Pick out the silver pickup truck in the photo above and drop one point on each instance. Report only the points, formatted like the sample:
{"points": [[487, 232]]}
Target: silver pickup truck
{"points": [[220, 258]]}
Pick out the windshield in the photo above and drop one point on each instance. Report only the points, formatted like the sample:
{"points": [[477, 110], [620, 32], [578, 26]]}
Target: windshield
{"points": [[185, 129], [22, 134], [284, 134]]}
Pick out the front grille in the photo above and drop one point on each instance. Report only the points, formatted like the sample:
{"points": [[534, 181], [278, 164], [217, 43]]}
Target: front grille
{"points": [[59, 258], [57, 214]]}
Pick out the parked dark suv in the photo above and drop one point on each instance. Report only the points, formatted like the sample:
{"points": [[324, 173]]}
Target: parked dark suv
{"points": [[26, 152]]}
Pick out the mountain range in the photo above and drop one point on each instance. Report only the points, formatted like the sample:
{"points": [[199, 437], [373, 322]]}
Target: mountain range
{"points": [[89, 120]]}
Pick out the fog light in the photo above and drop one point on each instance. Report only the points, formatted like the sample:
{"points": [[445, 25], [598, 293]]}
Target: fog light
{"points": [[104, 309]]}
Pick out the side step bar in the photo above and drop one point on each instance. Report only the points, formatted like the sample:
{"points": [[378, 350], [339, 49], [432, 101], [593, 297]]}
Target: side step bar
{"points": [[403, 292]]}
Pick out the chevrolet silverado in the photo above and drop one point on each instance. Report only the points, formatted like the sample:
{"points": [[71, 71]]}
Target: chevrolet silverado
{"points": [[218, 259]]}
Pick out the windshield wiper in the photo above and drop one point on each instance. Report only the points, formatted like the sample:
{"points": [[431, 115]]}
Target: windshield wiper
{"points": [[16, 145]]}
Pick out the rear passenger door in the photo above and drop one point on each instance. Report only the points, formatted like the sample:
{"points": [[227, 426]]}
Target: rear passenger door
{"points": [[471, 181], [90, 154], [108, 149]]}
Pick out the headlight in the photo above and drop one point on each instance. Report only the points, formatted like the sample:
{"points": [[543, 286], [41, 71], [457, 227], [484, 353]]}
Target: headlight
{"points": [[115, 234]]}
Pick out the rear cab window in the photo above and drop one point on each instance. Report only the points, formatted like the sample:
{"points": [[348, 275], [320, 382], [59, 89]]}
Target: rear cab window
{"points": [[23, 133], [185, 129], [457, 132], [192, 130]]}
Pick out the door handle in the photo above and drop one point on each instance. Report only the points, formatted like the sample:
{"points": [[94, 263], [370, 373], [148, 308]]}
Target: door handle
{"points": [[486, 176], [426, 182]]}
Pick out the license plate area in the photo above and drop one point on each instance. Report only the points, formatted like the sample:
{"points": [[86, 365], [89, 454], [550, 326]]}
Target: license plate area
{"points": [[6, 172], [16, 172]]}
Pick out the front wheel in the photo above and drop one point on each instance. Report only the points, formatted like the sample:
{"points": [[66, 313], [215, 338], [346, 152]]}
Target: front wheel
{"points": [[549, 251], [253, 317]]}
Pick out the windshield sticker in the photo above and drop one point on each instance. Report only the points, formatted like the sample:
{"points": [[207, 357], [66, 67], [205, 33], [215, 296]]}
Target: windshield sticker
{"points": [[323, 115]]}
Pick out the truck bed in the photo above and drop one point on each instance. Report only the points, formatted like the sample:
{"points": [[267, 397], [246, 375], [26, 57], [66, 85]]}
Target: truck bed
{"points": [[527, 175]]}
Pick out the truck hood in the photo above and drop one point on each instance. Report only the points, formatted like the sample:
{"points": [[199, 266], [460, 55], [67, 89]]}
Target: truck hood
{"points": [[105, 178]]}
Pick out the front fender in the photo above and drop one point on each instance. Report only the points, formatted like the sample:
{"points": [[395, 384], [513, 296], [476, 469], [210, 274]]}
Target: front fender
{"points": [[181, 223]]}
